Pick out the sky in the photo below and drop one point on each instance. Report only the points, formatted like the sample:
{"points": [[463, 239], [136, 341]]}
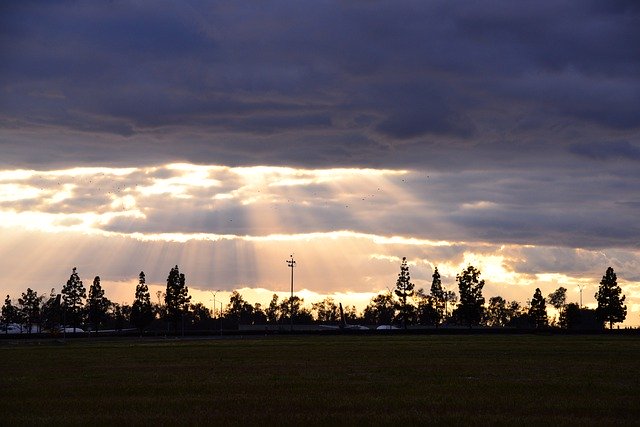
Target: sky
{"points": [[225, 136]]}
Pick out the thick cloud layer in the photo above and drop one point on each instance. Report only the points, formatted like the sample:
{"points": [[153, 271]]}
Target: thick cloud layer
{"points": [[435, 84]]}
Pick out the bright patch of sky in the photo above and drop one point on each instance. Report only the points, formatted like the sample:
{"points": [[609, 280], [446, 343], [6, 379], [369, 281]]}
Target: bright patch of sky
{"points": [[338, 223]]}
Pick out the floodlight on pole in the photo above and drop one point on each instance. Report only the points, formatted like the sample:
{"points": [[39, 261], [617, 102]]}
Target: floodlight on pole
{"points": [[291, 263], [214, 302]]}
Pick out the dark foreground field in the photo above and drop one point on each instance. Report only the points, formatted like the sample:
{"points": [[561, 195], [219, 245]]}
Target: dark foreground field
{"points": [[509, 380]]}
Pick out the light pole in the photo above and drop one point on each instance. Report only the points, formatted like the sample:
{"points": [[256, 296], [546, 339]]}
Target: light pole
{"points": [[581, 287], [214, 307], [214, 302], [291, 264]]}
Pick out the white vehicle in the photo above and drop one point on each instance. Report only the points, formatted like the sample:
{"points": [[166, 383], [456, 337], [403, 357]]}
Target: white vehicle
{"points": [[386, 327]]}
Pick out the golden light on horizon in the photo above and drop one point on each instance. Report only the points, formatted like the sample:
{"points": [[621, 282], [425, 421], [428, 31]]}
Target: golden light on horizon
{"points": [[233, 227]]}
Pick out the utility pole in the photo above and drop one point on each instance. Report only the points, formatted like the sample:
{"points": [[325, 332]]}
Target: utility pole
{"points": [[291, 263]]}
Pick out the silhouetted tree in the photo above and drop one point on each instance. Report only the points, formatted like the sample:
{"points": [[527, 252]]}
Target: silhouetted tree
{"points": [[404, 290], [29, 306], [611, 306], [426, 309], [326, 310], [437, 293], [538, 310], [273, 311], [301, 315], [350, 313], [142, 311], [519, 315], [51, 312], [577, 318], [97, 304], [239, 311], [558, 298], [9, 314], [381, 310], [258, 316], [160, 308], [497, 313], [119, 315], [73, 292], [199, 313], [470, 309], [177, 297], [450, 298]]}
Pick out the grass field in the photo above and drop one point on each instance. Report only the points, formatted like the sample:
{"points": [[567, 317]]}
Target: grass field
{"points": [[561, 380]]}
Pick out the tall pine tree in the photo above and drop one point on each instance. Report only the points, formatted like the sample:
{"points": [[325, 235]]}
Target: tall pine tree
{"points": [[97, 304], [438, 295], [404, 290], [73, 292], [9, 314], [611, 306], [142, 311], [177, 297], [470, 309], [30, 308]]}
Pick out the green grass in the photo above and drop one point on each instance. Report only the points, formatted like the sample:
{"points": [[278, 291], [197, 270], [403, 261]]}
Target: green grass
{"points": [[507, 380]]}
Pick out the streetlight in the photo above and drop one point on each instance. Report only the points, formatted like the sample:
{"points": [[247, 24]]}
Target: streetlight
{"points": [[291, 263], [220, 302]]}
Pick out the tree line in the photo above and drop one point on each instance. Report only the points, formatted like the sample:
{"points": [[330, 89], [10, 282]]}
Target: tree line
{"points": [[404, 307]]}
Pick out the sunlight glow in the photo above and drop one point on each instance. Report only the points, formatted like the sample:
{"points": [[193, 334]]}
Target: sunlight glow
{"points": [[15, 192], [233, 227]]}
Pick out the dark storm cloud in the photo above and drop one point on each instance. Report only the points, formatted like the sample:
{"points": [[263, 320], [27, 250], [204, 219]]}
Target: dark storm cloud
{"points": [[392, 72]]}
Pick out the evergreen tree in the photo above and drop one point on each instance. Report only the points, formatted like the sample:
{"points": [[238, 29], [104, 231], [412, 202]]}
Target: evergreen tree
{"points": [[611, 306], [142, 311], [30, 308], [97, 304], [177, 297], [470, 309], [427, 313], [9, 314], [51, 313], [538, 310], [72, 295], [404, 290], [437, 293]]}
